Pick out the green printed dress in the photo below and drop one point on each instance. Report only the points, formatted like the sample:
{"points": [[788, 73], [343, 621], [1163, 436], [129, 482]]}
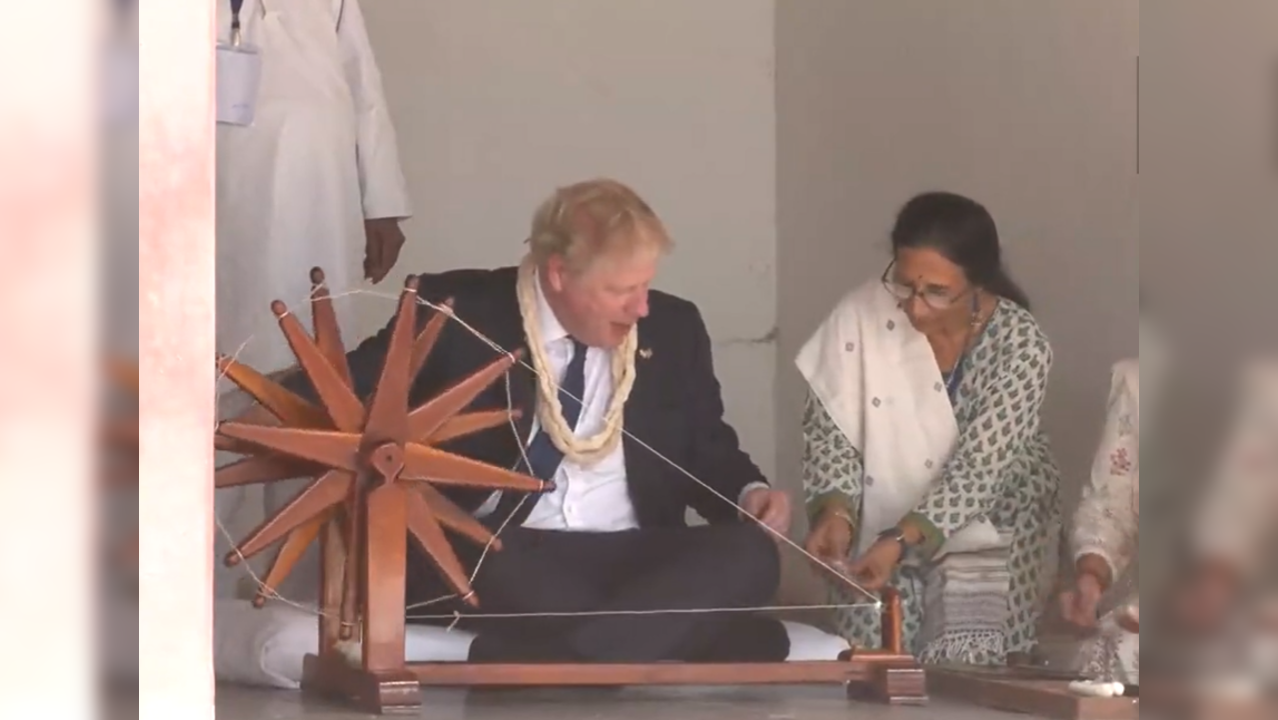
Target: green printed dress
{"points": [[1001, 470]]}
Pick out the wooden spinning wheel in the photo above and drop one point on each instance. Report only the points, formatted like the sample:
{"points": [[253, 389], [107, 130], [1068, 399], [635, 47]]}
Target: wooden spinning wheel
{"points": [[374, 468], [366, 460]]}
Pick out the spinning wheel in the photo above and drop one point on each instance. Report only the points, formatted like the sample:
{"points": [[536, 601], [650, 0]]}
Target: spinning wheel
{"points": [[367, 460], [375, 468]]}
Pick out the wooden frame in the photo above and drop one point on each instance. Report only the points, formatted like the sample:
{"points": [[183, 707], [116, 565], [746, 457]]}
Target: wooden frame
{"points": [[375, 469], [385, 682], [1025, 691]]}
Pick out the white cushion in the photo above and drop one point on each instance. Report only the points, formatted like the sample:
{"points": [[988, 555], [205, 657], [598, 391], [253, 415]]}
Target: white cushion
{"points": [[265, 647]]}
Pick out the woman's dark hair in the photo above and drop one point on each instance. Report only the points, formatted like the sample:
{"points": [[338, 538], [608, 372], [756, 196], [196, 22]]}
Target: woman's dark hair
{"points": [[963, 231]]}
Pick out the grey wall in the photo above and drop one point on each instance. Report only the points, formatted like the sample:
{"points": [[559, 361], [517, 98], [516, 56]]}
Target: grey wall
{"points": [[1209, 200], [1209, 220], [1029, 107]]}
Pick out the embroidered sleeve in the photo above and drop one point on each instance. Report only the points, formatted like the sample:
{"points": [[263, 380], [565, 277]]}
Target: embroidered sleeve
{"points": [[1106, 522], [832, 467], [1004, 419]]}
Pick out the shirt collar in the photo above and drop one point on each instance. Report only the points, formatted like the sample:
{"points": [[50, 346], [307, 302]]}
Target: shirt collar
{"points": [[552, 330]]}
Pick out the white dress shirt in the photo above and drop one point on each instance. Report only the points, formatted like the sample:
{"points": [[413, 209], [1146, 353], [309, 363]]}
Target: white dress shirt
{"points": [[595, 498], [584, 499]]}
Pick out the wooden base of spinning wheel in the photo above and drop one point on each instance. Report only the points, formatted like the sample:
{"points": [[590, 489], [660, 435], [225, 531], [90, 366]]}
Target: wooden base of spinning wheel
{"points": [[376, 466], [882, 676]]}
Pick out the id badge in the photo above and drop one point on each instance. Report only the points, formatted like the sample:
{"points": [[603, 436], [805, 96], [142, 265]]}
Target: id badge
{"points": [[239, 74]]}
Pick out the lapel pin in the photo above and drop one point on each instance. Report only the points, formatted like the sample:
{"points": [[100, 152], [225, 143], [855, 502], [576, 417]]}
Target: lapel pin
{"points": [[645, 353]]}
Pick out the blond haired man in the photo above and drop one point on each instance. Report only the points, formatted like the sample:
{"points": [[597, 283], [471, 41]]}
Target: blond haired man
{"points": [[624, 414]]}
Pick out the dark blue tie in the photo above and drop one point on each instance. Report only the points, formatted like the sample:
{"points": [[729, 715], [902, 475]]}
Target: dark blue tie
{"points": [[543, 457]]}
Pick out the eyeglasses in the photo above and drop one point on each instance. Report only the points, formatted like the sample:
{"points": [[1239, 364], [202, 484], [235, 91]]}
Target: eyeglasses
{"points": [[934, 298]]}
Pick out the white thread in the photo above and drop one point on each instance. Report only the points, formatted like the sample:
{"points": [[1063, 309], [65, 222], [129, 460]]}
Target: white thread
{"points": [[271, 593], [673, 611]]}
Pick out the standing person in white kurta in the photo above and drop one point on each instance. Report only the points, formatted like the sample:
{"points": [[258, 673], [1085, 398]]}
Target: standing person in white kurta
{"points": [[313, 180]]}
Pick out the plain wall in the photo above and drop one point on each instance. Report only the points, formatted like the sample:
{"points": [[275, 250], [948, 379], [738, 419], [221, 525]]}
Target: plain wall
{"points": [[1209, 236], [1028, 107]]}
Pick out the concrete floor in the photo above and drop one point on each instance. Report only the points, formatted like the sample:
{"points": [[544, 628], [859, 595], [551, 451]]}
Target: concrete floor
{"points": [[740, 703]]}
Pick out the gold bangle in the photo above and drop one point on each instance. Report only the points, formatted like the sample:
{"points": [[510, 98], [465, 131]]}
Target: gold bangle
{"points": [[841, 513]]}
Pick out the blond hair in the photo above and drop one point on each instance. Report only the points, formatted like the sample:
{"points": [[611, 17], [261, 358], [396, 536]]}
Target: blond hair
{"points": [[584, 220]]}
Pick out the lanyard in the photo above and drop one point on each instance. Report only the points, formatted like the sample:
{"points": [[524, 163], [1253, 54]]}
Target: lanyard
{"points": [[236, 5]]}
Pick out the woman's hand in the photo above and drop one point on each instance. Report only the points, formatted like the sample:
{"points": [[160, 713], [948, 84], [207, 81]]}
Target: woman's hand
{"points": [[830, 539], [874, 568], [1079, 603]]}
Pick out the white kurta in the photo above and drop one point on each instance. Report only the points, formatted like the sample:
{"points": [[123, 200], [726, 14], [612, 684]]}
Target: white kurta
{"points": [[293, 191], [294, 188], [1107, 525]]}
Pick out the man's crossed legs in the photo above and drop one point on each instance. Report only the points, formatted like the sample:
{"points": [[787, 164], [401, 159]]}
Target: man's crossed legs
{"points": [[606, 593]]}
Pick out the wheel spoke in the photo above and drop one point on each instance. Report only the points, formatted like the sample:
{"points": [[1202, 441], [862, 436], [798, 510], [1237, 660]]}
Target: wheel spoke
{"points": [[388, 412], [329, 490], [283, 403], [445, 468], [260, 469], [430, 415], [328, 333], [468, 424], [344, 408], [453, 517], [290, 553], [423, 525], [426, 339], [327, 447]]}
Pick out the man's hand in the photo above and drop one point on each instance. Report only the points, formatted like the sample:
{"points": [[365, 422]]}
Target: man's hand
{"points": [[1079, 603], [770, 507], [382, 242], [874, 568]]}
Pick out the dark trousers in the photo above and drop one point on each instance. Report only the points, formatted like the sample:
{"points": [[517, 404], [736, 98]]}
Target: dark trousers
{"points": [[649, 569]]}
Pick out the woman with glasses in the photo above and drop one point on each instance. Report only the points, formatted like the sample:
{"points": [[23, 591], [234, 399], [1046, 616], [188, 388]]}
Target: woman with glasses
{"points": [[925, 466]]}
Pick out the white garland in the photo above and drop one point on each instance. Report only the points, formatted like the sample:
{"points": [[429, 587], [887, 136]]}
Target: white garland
{"points": [[550, 413]]}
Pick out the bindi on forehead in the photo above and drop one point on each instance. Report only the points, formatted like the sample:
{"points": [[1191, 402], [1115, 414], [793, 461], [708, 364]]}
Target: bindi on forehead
{"points": [[927, 269]]}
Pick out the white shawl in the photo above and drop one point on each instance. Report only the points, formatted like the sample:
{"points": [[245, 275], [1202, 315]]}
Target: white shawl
{"points": [[878, 379]]}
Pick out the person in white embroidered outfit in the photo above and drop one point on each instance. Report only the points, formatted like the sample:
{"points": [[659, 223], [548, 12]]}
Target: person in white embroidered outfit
{"points": [[1104, 539]]}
